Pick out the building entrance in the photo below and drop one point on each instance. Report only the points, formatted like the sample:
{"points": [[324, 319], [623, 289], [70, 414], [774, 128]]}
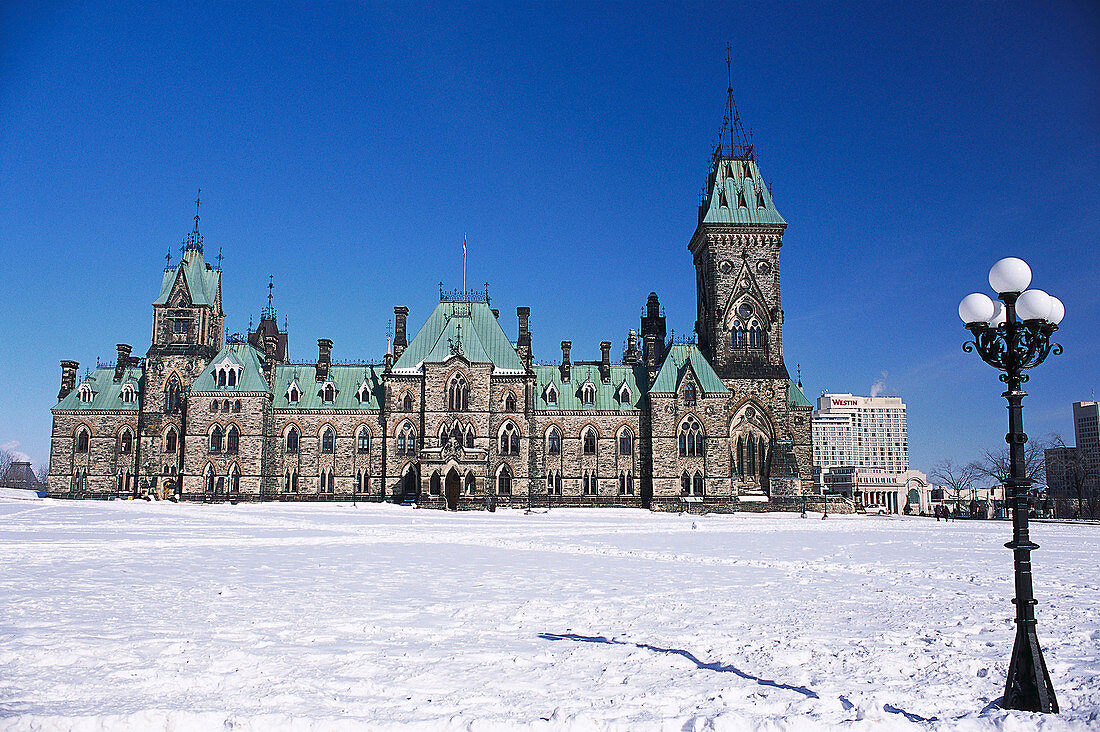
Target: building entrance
{"points": [[452, 489]]}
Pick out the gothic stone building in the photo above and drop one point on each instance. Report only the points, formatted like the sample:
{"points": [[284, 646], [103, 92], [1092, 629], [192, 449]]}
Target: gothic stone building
{"points": [[461, 417]]}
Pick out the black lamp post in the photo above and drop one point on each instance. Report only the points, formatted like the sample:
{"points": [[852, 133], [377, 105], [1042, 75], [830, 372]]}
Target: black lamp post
{"points": [[1011, 346]]}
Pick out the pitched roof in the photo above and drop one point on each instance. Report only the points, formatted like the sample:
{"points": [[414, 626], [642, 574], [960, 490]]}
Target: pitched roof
{"points": [[737, 198], [676, 365], [251, 378], [106, 394], [202, 280], [346, 379], [569, 395], [472, 327], [795, 397]]}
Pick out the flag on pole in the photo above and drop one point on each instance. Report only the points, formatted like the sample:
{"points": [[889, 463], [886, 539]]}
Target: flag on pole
{"points": [[464, 246]]}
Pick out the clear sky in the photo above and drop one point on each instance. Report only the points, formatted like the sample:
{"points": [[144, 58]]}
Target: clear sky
{"points": [[345, 148]]}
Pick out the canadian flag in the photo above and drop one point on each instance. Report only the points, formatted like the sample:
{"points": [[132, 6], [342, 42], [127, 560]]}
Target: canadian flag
{"points": [[463, 246]]}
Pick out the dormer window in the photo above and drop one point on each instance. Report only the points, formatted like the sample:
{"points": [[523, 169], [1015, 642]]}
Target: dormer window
{"points": [[227, 374], [128, 394], [624, 395], [84, 394], [588, 394], [328, 393], [364, 394], [293, 393], [551, 394]]}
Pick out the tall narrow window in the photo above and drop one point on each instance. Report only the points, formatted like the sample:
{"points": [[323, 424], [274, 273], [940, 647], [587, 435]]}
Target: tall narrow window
{"points": [[698, 483], [589, 441], [82, 440], [216, 439], [685, 484], [458, 394], [126, 442], [752, 455], [170, 441], [407, 402], [553, 442], [173, 401], [208, 478], [626, 442], [406, 440], [741, 455], [510, 403], [509, 439], [551, 394], [328, 441], [504, 481], [362, 441], [691, 438], [588, 394], [629, 483], [469, 436], [760, 448], [292, 441], [232, 440], [329, 393], [689, 393], [234, 479]]}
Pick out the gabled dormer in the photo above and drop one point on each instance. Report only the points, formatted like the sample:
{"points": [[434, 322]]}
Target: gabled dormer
{"points": [[294, 392], [84, 393], [227, 373], [328, 392]]}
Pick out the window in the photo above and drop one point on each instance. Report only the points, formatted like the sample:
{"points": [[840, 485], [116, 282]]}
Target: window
{"points": [[234, 479], [328, 482], [510, 402], [214, 406], [624, 395], [362, 482], [84, 394], [225, 406], [173, 394], [697, 483], [553, 441], [216, 439], [685, 484], [434, 484], [756, 335], [509, 439], [406, 440], [82, 441], [364, 394], [626, 483], [551, 394], [232, 440], [170, 441], [469, 436], [588, 394], [126, 442], [292, 441], [328, 441], [691, 438], [589, 441], [590, 485], [328, 394], [208, 478], [407, 402], [504, 481], [689, 393], [237, 406], [293, 394], [180, 326], [626, 442], [738, 334], [128, 394], [458, 394], [362, 440]]}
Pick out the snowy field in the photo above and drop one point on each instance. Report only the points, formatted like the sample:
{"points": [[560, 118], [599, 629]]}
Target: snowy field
{"points": [[131, 615]]}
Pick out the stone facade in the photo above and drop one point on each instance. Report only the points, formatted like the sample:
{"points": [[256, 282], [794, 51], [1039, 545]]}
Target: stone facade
{"points": [[460, 416]]}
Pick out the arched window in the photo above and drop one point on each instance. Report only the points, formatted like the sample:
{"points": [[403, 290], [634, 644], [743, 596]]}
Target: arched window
{"points": [[328, 393], [294, 481], [216, 439], [553, 441], [173, 394], [128, 393], [225, 406], [444, 435], [126, 442], [84, 393], [406, 440], [234, 479], [589, 483], [763, 465], [551, 394], [362, 440], [629, 483], [510, 402], [624, 395], [232, 440], [458, 394], [509, 439], [738, 334], [626, 442], [588, 394], [698, 483], [434, 484], [469, 436], [214, 406], [757, 336], [328, 441], [689, 393], [293, 394], [553, 483], [741, 456], [221, 377], [208, 478], [589, 441], [364, 394], [170, 441], [622, 484], [691, 438], [456, 435], [82, 440], [407, 402], [330, 487], [292, 441], [504, 481], [685, 484], [237, 406], [470, 483], [233, 377], [752, 455], [286, 482]]}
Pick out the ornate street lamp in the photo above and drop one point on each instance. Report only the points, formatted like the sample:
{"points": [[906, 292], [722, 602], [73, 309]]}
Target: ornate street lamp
{"points": [[1011, 346]]}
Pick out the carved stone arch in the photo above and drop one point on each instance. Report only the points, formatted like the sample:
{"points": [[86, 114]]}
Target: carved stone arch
{"points": [[83, 425], [752, 412]]}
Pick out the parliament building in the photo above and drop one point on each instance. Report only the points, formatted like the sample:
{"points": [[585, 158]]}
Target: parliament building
{"points": [[460, 416]]}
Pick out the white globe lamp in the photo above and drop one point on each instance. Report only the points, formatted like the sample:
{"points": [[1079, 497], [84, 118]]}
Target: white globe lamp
{"points": [[1009, 275], [1057, 310], [976, 308], [1034, 305]]}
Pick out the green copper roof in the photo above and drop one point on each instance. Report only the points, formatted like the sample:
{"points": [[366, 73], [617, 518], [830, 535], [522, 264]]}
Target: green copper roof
{"points": [[470, 328], [346, 379], [251, 377], [676, 365], [795, 397], [202, 281], [569, 395], [106, 394], [738, 195]]}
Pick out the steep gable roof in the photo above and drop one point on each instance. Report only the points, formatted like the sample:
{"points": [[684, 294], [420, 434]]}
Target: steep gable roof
{"points": [[569, 397], [248, 357], [201, 280], [795, 397], [737, 198], [106, 394], [468, 327], [346, 379], [676, 365]]}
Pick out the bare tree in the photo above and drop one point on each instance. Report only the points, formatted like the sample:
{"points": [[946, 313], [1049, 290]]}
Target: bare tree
{"points": [[42, 472], [995, 464], [6, 459], [954, 478], [1068, 469]]}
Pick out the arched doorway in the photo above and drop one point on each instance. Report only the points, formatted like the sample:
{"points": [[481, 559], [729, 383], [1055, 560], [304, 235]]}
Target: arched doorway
{"points": [[453, 489]]}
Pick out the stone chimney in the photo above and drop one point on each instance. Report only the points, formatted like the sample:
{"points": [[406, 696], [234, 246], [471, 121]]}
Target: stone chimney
{"points": [[630, 355], [653, 333], [495, 312], [605, 362], [324, 358], [400, 341], [523, 341], [271, 347], [68, 378], [565, 347], [122, 362]]}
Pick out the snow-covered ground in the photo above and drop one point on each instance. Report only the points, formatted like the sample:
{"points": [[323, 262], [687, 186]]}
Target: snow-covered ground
{"points": [[131, 615]]}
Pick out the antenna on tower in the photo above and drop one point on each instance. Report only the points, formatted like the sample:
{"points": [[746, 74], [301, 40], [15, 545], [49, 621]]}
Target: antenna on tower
{"points": [[219, 259], [197, 201], [740, 141], [270, 288]]}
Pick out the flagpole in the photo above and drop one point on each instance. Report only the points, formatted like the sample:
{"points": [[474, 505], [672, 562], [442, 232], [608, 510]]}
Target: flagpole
{"points": [[464, 264]]}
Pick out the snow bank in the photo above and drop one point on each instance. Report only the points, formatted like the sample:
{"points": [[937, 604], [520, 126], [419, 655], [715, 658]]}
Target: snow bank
{"points": [[156, 616]]}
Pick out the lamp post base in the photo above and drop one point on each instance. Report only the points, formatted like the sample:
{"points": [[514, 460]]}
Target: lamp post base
{"points": [[1028, 687]]}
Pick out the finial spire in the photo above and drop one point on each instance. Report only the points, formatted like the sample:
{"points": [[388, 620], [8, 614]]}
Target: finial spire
{"points": [[219, 259], [270, 288], [168, 259], [799, 367], [197, 201], [269, 312], [740, 142]]}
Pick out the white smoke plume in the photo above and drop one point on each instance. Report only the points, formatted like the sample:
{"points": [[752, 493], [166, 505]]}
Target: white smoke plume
{"points": [[879, 384]]}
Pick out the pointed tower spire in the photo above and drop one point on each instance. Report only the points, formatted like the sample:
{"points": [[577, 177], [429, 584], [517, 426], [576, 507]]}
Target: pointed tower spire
{"points": [[194, 239], [740, 143], [269, 312], [199, 200]]}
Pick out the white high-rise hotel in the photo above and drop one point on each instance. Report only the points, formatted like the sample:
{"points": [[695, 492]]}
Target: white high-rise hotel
{"points": [[860, 432]]}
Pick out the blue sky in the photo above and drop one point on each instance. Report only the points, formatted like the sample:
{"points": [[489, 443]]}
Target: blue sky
{"points": [[346, 148]]}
